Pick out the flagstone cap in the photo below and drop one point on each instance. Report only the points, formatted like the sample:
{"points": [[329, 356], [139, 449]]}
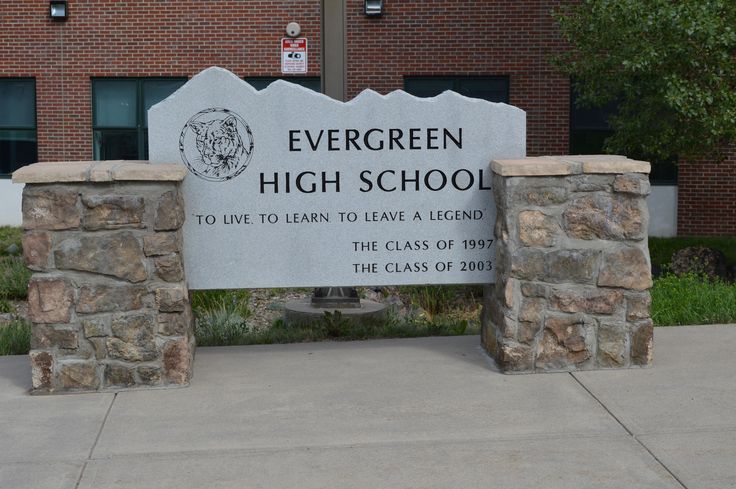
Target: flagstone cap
{"points": [[568, 165], [99, 171]]}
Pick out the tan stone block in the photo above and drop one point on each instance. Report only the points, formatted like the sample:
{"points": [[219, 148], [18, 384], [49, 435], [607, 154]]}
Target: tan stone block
{"points": [[169, 212], [169, 267], [79, 375], [174, 324], [598, 164], [636, 184], [177, 361], [50, 208], [112, 211], [611, 345], [52, 172], [537, 229], [638, 306], [46, 337], [514, 357], [42, 369], [36, 250], [161, 244], [50, 300], [117, 254], [533, 166], [591, 301], [104, 298], [563, 345], [604, 217], [641, 343], [149, 375], [571, 266], [171, 299], [142, 171], [118, 376], [627, 268]]}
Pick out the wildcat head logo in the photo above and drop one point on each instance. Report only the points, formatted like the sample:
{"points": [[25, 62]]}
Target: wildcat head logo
{"points": [[216, 144]]}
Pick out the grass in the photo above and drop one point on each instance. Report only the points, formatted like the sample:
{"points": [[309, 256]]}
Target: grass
{"points": [[9, 235], [690, 299], [15, 338], [14, 278], [662, 249]]}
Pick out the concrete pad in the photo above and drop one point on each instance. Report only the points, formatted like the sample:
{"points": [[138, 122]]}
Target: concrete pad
{"points": [[40, 475], [326, 394], [691, 385], [44, 428], [558, 463], [701, 460]]}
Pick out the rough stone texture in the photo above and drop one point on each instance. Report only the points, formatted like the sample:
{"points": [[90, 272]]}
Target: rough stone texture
{"points": [[169, 267], [177, 361], [42, 365], [118, 376], [50, 208], [106, 298], [161, 244], [604, 217], [174, 324], [112, 211], [537, 229], [572, 267], [36, 250], [641, 343], [50, 300], [119, 255], [134, 338], [171, 299], [627, 268], [591, 301], [112, 294], [45, 336], [611, 345], [79, 376], [631, 184], [170, 212]]}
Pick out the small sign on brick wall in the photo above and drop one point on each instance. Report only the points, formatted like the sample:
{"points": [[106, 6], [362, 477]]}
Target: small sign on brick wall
{"points": [[294, 55]]}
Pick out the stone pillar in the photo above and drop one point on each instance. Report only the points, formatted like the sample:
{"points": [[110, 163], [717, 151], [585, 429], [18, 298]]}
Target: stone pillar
{"points": [[108, 300], [573, 271]]}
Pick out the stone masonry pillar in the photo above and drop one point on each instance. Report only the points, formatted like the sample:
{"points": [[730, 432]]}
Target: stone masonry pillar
{"points": [[573, 271], [108, 300]]}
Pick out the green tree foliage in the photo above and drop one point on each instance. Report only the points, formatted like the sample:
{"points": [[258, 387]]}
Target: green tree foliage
{"points": [[670, 66]]}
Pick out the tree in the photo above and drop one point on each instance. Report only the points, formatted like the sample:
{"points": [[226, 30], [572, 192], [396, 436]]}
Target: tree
{"points": [[670, 65]]}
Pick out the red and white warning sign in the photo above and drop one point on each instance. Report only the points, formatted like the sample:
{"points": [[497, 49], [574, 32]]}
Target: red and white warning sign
{"points": [[294, 55]]}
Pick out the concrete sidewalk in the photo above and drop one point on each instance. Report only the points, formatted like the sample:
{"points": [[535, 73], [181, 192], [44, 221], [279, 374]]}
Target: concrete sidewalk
{"points": [[416, 413]]}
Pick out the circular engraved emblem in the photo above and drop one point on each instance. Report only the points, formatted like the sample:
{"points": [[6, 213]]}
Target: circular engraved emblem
{"points": [[216, 144]]}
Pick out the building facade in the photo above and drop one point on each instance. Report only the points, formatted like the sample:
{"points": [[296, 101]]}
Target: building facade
{"points": [[78, 89]]}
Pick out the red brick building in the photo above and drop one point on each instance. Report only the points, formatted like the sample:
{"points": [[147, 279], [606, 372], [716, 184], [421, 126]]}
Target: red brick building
{"points": [[77, 89]]}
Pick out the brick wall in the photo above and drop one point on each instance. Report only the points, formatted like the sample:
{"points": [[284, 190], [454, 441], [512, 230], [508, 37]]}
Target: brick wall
{"points": [[462, 37], [448, 37], [706, 197], [137, 38]]}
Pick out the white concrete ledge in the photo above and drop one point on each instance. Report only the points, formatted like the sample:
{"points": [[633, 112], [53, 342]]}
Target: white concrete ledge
{"points": [[98, 171], [568, 165]]}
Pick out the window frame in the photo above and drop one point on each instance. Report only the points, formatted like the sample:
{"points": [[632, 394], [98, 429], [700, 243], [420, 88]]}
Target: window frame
{"points": [[141, 129], [290, 79], [456, 79], [32, 80]]}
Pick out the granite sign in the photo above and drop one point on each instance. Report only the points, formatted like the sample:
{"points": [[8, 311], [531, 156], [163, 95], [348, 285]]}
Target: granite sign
{"points": [[288, 187]]}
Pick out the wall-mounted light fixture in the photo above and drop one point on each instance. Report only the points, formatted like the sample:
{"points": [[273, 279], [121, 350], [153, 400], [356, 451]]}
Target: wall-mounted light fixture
{"points": [[373, 8], [58, 9]]}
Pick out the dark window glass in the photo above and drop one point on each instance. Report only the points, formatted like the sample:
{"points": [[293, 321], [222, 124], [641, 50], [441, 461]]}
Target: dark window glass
{"points": [[18, 143], [261, 82], [120, 114], [491, 88], [589, 129]]}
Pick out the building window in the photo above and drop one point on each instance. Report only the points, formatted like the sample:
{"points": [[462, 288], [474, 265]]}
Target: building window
{"points": [[261, 82], [18, 144], [120, 114], [491, 88], [588, 132]]}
